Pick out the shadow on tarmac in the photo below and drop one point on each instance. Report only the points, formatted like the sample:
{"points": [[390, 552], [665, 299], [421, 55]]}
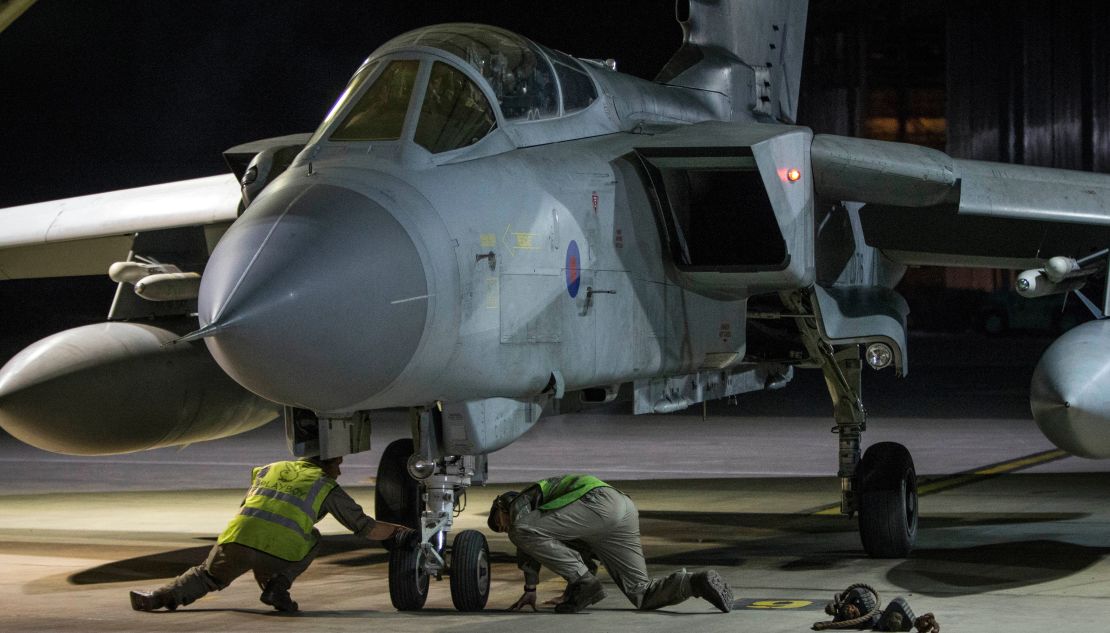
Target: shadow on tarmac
{"points": [[172, 563], [661, 523], [984, 568]]}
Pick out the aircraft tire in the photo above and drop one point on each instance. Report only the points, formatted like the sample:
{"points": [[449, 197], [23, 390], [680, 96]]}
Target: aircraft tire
{"points": [[887, 493], [396, 493], [470, 571], [408, 580]]}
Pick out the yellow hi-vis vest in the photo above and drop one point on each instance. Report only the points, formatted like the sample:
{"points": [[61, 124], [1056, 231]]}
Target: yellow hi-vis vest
{"points": [[561, 491], [280, 509]]}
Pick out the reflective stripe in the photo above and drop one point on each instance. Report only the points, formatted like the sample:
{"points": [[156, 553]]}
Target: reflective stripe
{"points": [[305, 505], [314, 491], [284, 501], [284, 522], [302, 504]]}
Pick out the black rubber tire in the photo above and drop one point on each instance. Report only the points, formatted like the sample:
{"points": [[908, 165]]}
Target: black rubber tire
{"points": [[408, 582], [470, 572], [886, 485], [396, 493]]}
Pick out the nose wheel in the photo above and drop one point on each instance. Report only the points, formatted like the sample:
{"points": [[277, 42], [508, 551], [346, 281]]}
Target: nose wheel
{"points": [[430, 505], [470, 573], [409, 579]]}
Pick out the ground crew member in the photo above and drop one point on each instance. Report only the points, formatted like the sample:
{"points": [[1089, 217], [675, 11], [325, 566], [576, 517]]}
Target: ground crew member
{"points": [[552, 521], [273, 535]]}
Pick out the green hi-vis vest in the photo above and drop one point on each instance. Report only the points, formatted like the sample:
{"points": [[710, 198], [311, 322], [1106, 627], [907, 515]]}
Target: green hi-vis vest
{"points": [[280, 509], [560, 491]]}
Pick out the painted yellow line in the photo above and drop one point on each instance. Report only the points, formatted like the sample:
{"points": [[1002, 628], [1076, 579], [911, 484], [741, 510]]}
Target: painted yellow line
{"points": [[992, 470], [1024, 462], [970, 476]]}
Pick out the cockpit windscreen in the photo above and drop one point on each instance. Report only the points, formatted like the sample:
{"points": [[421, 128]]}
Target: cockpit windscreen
{"points": [[517, 71], [454, 114], [379, 114]]}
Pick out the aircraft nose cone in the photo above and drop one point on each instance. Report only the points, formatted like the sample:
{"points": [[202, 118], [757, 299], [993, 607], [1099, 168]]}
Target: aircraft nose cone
{"points": [[319, 292]]}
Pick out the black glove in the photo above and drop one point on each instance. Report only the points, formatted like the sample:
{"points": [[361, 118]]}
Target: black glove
{"points": [[403, 538]]}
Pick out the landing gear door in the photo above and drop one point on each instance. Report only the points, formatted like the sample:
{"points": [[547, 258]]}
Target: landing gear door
{"points": [[310, 436], [864, 314]]}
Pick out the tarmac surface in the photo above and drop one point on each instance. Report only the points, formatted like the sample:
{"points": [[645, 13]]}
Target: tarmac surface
{"points": [[1013, 536]]}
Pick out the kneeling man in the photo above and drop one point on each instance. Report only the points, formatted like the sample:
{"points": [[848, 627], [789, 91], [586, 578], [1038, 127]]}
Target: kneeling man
{"points": [[273, 535], [553, 520]]}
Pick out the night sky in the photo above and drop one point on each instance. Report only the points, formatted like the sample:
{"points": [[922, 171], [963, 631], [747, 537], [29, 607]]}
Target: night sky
{"points": [[99, 95], [103, 95]]}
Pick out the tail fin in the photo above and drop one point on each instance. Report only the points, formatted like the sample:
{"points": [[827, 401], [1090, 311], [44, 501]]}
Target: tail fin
{"points": [[750, 50]]}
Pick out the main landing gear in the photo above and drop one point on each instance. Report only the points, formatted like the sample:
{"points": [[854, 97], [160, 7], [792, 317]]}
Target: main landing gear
{"points": [[426, 493], [881, 487]]}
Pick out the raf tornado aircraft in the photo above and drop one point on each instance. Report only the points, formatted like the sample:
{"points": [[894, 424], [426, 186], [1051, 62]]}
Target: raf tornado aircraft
{"points": [[484, 230]]}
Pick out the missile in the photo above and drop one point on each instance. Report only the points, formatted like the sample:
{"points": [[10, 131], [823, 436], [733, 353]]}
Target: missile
{"points": [[1059, 275], [168, 286], [1057, 269], [131, 272], [1070, 392], [1037, 283]]}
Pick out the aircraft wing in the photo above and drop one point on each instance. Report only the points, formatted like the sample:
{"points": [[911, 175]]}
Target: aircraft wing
{"points": [[925, 207], [84, 235]]}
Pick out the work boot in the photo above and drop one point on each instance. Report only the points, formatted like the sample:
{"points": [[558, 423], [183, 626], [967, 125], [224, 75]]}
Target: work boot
{"points": [[276, 594], [580, 594], [152, 600], [709, 586]]}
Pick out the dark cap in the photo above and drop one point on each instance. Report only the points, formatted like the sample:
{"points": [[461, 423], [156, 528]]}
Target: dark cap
{"points": [[501, 503]]}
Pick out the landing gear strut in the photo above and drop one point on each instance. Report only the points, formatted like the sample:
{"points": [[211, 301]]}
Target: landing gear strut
{"points": [[430, 505], [882, 485]]}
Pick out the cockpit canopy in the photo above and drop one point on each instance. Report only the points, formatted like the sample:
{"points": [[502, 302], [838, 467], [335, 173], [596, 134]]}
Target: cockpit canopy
{"points": [[529, 82], [520, 72]]}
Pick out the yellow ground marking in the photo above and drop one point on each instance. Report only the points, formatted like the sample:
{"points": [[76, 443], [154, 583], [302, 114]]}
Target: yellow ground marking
{"points": [[779, 604], [971, 476]]}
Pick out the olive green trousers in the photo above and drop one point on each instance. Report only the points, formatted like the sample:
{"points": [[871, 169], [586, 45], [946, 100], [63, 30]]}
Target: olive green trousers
{"points": [[607, 521], [227, 562]]}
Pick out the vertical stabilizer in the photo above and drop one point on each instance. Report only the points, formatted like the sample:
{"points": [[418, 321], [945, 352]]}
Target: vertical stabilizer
{"points": [[750, 50]]}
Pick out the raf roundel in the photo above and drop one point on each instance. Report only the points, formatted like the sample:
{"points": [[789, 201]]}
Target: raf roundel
{"points": [[573, 269]]}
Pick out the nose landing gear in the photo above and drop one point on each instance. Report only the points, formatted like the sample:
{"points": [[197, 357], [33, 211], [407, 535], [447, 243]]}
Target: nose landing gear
{"points": [[431, 506]]}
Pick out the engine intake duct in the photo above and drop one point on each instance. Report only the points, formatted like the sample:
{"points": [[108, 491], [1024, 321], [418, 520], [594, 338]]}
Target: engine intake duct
{"points": [[734, 205]]}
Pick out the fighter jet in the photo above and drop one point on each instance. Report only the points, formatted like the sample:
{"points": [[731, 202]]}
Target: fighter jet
{"points": [[484, 230]]}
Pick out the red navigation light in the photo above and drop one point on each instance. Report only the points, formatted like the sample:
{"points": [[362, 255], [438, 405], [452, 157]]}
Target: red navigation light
{"points": [[793, 174]]}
